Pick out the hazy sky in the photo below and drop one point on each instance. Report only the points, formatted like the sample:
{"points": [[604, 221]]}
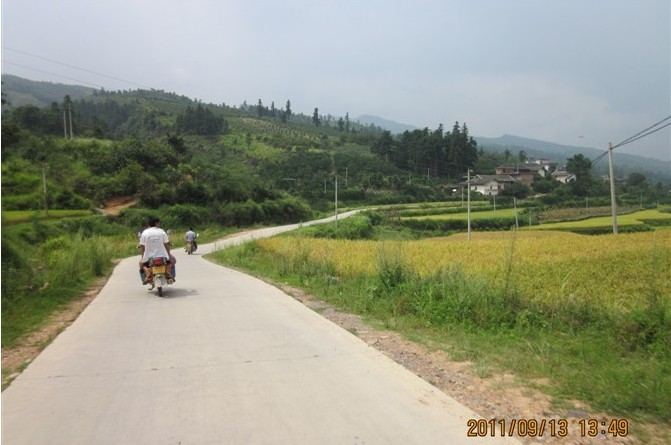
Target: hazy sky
{"points": [[576, 72]]}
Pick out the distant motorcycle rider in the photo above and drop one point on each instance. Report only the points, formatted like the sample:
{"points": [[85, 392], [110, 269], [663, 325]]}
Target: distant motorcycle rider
{"points": [[191, 237], [154, 242]]}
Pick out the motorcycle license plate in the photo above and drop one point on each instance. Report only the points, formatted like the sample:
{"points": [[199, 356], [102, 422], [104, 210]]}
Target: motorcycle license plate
{"points": [[158, 269]]}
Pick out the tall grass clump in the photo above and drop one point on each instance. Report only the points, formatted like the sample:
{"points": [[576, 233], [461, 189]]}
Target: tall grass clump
{"points": [[392, 269], [46, 266], [451, 297]]}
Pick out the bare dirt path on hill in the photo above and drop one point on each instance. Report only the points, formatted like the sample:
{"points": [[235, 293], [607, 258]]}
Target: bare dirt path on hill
{"points": [[115, 205]]}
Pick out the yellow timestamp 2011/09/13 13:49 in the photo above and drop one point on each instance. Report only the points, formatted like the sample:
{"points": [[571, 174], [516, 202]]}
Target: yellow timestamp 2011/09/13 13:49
{"points": [[555, 427]]}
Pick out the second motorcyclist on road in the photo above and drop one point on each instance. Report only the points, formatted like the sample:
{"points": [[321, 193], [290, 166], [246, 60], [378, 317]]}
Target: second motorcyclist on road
{"points": [[191, 237]]}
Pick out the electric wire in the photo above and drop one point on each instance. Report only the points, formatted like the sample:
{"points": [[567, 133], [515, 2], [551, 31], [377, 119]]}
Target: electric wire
{"points": [[634, 137], [644, 135], [641, 134], [51, 73], [75, 67]]}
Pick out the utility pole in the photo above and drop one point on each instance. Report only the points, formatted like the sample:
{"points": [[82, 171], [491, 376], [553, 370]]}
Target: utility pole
{"points": [[336, 201], [70, 118], [65, 124], [613, 203], [468, 184], [67, 117], [44, 189], [517, 224]]}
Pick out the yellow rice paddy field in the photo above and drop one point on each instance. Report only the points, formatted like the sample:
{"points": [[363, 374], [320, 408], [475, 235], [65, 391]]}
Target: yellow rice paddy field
{"points": [[613, 271]]}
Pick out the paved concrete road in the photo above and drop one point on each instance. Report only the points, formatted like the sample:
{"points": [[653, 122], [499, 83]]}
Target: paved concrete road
{"points": [[223, 358]]}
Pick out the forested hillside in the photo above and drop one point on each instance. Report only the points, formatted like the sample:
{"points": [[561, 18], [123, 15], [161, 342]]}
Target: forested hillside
{"points": [[234, 165], [230, 165]]}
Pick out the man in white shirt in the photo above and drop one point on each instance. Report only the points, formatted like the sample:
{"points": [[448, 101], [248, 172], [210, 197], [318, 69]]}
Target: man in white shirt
{"points": [[154, 242]]}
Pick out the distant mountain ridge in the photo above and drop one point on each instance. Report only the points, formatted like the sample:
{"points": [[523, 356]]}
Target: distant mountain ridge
{"points": [[390, 125]]}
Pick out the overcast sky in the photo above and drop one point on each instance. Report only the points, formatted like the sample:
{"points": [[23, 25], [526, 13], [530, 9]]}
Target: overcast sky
{"points": [[575, 72]]}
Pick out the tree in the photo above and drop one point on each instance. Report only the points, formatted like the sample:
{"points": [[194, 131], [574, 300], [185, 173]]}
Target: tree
{"points": [[516, 189], [544, 184], [287, 110], [580, 166], [522, 155], [636, 179], [384, 146], [315, 118], [200, 121], [461, 150]]}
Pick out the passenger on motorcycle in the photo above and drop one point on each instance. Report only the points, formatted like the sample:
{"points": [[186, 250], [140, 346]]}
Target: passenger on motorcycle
{"points": [[154, 242]]}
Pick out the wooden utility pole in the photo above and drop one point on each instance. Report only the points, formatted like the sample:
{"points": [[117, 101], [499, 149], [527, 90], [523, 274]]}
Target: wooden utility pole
{"points": [[70, 118], [336, 201], [65, 123], [468, 184], [67, 117], [44, 189], [613, 202], [517, 223]]}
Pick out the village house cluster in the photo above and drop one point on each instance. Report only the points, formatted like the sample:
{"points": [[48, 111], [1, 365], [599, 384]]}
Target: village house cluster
{"points": [[492, 185]]}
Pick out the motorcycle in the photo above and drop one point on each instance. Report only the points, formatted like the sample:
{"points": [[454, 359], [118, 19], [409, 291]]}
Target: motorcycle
{"points": [[157, 275], [189, 248]]}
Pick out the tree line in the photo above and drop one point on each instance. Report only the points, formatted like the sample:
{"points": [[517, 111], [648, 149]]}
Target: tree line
{"points": [[438, 153], [111, 118]]}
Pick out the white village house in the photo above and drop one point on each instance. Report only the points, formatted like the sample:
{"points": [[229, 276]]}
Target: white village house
{"points": [[563, 176], [490, 185]]}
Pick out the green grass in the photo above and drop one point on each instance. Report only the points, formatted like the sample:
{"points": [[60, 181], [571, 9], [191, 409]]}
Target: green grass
{"points": [[256, 149], [24, 216], [46, 264], [631, 219], [489, 214]]}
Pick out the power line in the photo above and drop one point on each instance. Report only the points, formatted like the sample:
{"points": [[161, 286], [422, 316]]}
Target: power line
{"points": [[75, 67], [634, 137], [77, 80], [51, 73], [641, 134]]}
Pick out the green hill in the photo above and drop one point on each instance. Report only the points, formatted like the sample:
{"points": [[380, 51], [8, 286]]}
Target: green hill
{"points": [[235, 166], [223, 164]]}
